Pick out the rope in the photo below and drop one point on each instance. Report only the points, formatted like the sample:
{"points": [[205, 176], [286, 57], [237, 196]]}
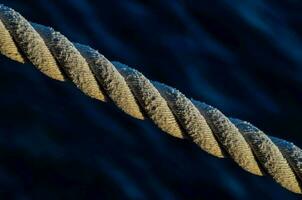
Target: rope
{"points": [[54, 55]]}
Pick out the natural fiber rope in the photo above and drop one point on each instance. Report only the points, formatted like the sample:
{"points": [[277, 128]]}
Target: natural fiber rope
{"points": [[57, 57]]}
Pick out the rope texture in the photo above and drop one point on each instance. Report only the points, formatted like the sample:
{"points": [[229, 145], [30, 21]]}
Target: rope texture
{"points": [[54, 55]]}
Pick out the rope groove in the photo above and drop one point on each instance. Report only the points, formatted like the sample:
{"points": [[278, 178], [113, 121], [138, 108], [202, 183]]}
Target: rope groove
{"points": [[54, 55]]}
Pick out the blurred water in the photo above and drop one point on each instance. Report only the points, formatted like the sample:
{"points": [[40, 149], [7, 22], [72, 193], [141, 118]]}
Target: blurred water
{"points": [[243, 57]]}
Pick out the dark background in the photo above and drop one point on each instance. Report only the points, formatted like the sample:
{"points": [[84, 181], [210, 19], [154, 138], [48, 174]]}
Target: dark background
{"points": [[243, 57]]}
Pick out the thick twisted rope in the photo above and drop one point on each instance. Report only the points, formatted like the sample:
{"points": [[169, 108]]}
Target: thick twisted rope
{"points": [[57, 57]]}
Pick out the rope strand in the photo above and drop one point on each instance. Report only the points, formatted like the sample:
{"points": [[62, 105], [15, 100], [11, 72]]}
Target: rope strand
{"points": [[54, 55]]}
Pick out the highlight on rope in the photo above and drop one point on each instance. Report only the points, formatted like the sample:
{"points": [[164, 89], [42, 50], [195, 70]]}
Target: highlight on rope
{"points": [[174, 113]]}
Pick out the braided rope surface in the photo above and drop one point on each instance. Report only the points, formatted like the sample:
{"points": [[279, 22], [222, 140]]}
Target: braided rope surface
{"points": [[54, 55]]}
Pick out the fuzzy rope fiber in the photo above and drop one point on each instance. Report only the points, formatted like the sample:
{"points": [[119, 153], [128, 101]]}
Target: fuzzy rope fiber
{"points": [[169, 109]]}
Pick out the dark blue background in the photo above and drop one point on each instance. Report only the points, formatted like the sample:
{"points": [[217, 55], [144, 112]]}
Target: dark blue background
{"points": [[243, 57]]}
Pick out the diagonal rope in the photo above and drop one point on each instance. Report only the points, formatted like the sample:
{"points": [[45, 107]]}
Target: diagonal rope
{"points": [[54, 55]]}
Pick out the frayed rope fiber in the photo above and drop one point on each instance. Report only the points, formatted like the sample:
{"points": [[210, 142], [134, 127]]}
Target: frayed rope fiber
{"points": [[54, 55]]}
